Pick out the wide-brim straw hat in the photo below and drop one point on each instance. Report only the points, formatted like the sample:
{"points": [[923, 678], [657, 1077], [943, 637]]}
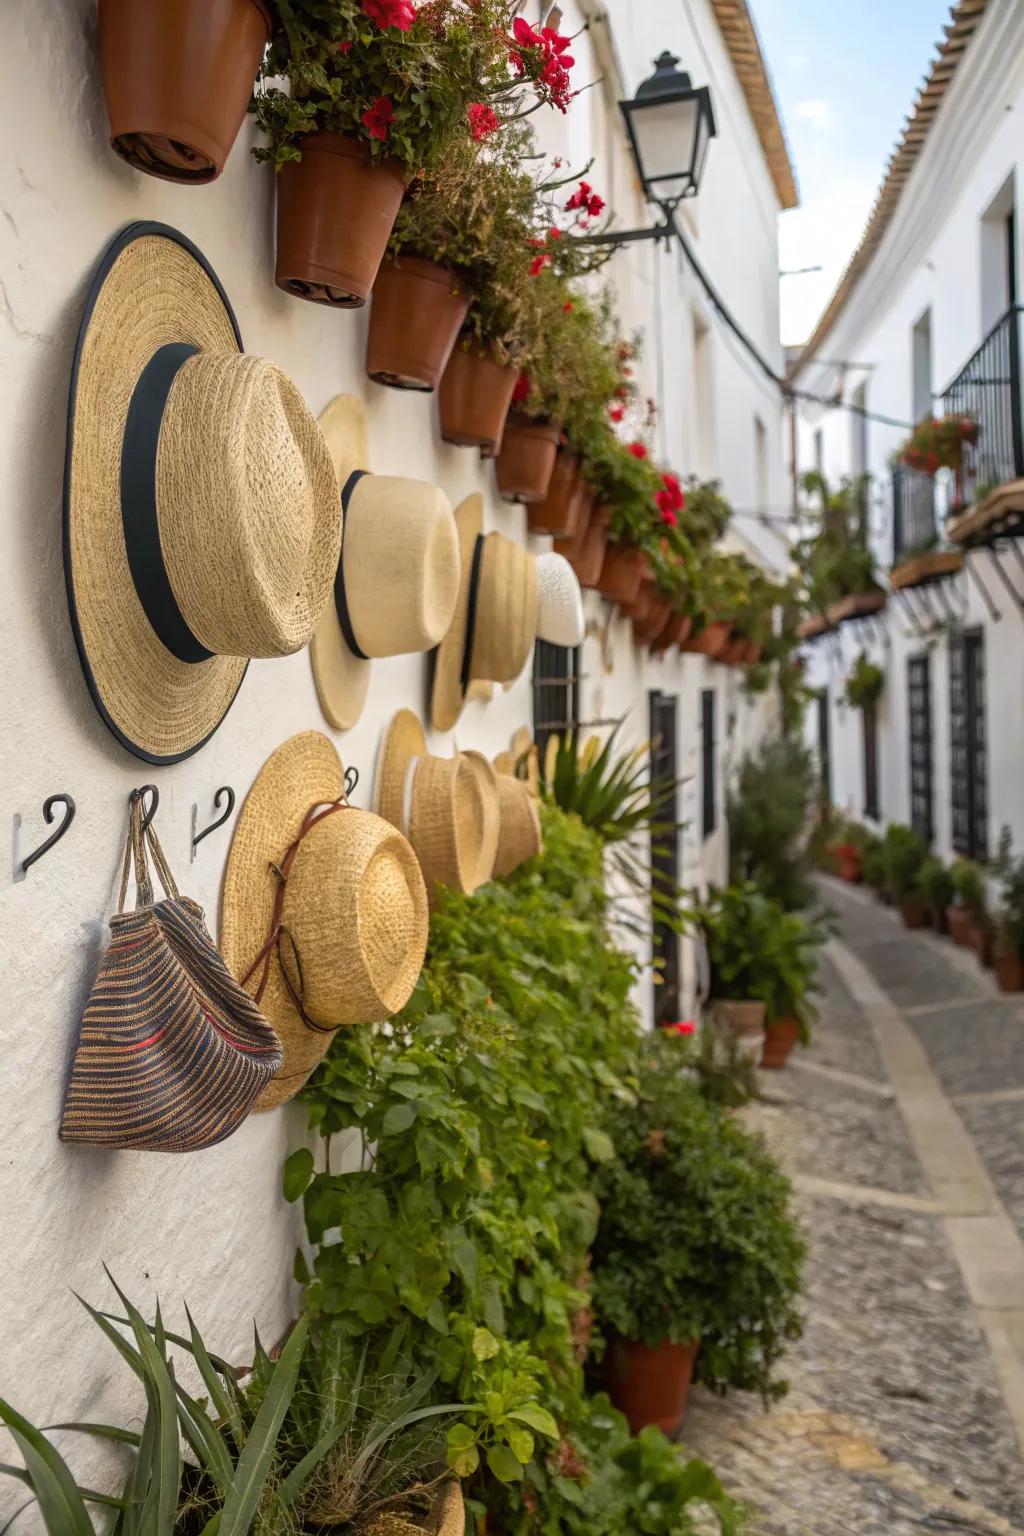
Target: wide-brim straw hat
{"points": [[495, 621], [520, 836], [446, 806], [355, 907], [398, 573], [559, 602], [201, 517]]}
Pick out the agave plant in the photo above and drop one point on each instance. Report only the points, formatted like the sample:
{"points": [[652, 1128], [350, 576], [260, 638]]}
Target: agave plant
{"points": [[611, 791], [298, 1443]]}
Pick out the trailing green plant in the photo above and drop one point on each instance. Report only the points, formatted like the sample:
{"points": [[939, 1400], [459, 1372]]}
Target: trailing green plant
{"points": [[672, 1259], [769, 810], [304, 1442], [903, 853], [969, 889], [836, 558], [1008, 932], [865, 683], [934, 886]]}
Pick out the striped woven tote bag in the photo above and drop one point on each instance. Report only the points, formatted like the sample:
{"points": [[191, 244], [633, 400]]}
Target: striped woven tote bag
{"points": [[172, 1053]]}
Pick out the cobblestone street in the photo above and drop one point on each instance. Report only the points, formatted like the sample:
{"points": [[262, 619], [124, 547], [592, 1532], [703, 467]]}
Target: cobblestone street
{"points": [[903, 1128]]}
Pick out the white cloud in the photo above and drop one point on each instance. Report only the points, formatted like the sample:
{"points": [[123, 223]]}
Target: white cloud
{"points": [[815, 111]]}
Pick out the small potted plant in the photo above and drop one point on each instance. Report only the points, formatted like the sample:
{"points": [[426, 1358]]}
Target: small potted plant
{"points": [[682, 1287], [750, 959], [865, 683], [903, 854], [847, 857], [934, 888], [968, 917], [1008, 926], [789, 1010], [937, 442], [177, 77]]}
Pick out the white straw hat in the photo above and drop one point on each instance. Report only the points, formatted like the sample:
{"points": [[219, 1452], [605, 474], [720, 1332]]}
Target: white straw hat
{"points": [[344, 892], [495, 622], [560, 602], [201, 521], [446, 806], [398, 575]]}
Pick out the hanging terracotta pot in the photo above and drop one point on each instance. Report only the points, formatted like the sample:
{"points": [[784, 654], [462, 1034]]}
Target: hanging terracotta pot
{"points": [[675, 630], [595, 542], [733, 653], [418, 310], [650, 1386], [623, 570], [753, 653], [709, 641], [559, 513], [1009, 969], [177, 78], [527, 459], [636, 607], [779, 1040], [648, 626], [573, 547], [335, 211], [474, 398]]}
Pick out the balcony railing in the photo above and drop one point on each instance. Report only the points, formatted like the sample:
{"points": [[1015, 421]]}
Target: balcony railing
{"points": [[989, 390], [914, 522]]}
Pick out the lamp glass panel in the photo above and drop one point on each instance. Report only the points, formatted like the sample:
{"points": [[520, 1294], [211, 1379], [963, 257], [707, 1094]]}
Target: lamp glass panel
{"points": [[665, 133]]}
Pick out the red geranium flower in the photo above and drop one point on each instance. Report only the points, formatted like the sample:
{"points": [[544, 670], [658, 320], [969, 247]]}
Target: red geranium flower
{"points": [[344, 47], [586, 201], [483, 120], [377, 119], [568, 306], [638, 450], [684, 1027], [522, 389], [538, 264], [668, 516], [524, 33], [616, 412], [390, 13]]}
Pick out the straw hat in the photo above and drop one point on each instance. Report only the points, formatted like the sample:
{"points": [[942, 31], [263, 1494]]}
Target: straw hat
{"points": [[354, 908], [495, 622], [447, 1516], [520, 837], [445, 805], [560, 602], [201, 521], [398, 575]]}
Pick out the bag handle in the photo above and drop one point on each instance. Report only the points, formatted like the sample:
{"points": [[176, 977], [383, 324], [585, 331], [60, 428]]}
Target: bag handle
{"points": [[139, 835]]}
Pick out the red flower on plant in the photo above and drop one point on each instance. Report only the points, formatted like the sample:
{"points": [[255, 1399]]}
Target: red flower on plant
{"points": [[684, 1027], [345, 47], [585, 201], [549, 60], [538, 264], [554, 233], [483, 120], [522, 389], [638, 450], [668, 517], [568, 306], [390, 13], [377, 119], [616, 412]]}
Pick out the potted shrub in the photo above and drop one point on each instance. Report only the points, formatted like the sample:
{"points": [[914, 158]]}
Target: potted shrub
{"points": [[968, 917], [789, 1011], [847, 861], [177, 77], [1008, 928], [934, 887], [747, 959], [903, 854], [696, 1263], [872, 861], [379, 92]]}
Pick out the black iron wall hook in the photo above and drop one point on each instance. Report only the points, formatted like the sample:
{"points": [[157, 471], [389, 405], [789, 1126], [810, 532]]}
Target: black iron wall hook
{"points": [[197, 837], [148, 811], [69, 815]]}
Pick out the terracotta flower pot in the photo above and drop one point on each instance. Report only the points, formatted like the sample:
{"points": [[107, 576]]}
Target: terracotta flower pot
{"points": [[574, 547], [417, 313], [981, 942], [474, 399], [779, 1040], [849, 869], [958, 920], [913, 912], [1009, 969], [177, 77], [710, 641], [335, 211], [743, 1018], [637, 607], [592, 551], [560, 511], [623, 570], [650, 1386], [733, 654], [648, 626], [673, 632], [527, 459], [754, 652]]}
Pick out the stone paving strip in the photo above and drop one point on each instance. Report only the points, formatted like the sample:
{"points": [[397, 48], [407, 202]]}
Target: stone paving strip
{"points": [[906, 1409]]}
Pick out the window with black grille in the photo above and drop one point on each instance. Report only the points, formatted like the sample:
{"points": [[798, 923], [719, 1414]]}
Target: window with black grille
{"points": [[709, 812], [869, 726], [824, 748], [968, 745], [556, 691], [919, 703], [665, 856]]}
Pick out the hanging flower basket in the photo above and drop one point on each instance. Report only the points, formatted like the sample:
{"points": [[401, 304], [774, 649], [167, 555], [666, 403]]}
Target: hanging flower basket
{"points": [[526, 462], [560, 512], [335, 209], [418, 311], [590, 561], [647, 626], [573, 546], [938, 443], [676, 629], [733, 653], [177, 77], [622, 573], [474, 398]]}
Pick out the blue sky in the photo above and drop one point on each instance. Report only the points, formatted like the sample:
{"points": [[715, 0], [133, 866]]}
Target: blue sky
{"points": [[845, 76]]}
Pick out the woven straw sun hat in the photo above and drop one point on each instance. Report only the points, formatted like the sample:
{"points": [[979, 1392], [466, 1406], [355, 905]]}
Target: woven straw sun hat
{"points": [[520, 836], [398, 575], [446, 806], [559, 602], [495, 621], [201, 521], [354, 908], [446, 1517]]}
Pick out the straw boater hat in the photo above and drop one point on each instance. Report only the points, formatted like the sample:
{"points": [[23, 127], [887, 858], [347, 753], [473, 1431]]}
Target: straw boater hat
{"points": [[324, 907], [445, 805], [520, 836], [560, 602], [495, 622], [201, 520], [398, 575]]}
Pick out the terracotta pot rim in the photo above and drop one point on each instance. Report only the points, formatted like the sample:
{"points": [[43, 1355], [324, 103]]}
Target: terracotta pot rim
{"points": [[431, 272], [538, 424], [350, 147]]}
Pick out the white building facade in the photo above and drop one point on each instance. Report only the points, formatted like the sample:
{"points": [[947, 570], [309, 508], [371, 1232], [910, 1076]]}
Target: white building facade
{"points": [[213, 1227], [927, 322]]}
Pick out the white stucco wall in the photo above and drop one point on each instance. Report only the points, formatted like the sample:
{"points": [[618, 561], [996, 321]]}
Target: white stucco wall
{"points": [[212, 1227], [931, 257]]}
